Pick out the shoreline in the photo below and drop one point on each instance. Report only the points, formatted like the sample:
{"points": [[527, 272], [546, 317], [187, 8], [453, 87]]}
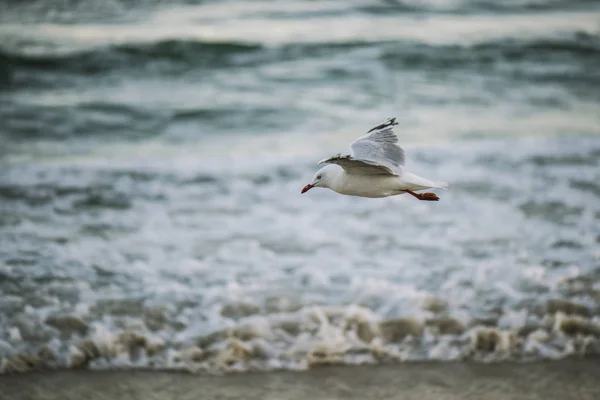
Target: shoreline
{"points": [[577, 378]]}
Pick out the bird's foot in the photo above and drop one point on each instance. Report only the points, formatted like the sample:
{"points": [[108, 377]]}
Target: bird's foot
{"points": [[428, 196], [424, 196]]}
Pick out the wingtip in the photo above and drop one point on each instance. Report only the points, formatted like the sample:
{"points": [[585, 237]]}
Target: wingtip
{"points": [[388, 122]]}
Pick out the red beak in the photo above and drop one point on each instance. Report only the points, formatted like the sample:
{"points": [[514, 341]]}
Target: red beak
{"points": [[307, 188]]}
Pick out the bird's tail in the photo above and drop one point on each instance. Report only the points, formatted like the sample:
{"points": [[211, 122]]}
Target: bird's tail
{"points": [[440, 185]]}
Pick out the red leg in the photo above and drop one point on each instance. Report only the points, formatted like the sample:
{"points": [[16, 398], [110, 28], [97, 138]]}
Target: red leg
{"points": [[423, 196]]}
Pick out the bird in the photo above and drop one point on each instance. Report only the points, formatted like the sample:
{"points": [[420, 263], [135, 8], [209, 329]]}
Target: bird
{"points": [[374, 168]]}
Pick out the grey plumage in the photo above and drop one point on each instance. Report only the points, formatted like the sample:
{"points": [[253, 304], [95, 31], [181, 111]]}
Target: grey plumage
{"points": [[375, 153]]}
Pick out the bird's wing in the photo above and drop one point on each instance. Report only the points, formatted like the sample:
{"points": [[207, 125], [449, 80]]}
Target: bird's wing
{"points": [[379, 148], [358, 167]]}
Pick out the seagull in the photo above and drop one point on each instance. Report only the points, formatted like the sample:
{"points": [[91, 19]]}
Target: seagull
{"points": [[375, 168]]}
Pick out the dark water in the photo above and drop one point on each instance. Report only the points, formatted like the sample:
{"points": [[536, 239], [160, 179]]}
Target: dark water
{"points": [[152, 155]]}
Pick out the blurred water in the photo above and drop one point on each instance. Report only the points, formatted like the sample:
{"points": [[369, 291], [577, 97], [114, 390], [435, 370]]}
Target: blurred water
{"points": [[153, 153]]}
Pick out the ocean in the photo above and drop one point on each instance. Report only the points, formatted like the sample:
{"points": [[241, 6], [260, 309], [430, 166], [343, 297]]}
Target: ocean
{"points": [[152, 155]]}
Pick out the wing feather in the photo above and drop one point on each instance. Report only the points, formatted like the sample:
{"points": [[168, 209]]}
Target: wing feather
{"points": [[380, 146], [358, 167], [375, 153]]}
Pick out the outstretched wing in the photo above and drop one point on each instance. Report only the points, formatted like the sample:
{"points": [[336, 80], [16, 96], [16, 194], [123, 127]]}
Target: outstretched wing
{"points": [[358, 167], [379, 147], [375, 153]]}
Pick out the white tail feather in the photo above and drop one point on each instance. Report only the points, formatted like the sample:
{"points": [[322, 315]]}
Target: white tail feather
{"points": [[440, 185]]}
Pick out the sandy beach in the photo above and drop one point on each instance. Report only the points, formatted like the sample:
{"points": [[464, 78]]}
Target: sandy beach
{"points": [[565, 379]]}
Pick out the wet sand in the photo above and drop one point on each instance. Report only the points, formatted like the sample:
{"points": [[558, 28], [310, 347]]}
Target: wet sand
{"points": [[565, 379]]}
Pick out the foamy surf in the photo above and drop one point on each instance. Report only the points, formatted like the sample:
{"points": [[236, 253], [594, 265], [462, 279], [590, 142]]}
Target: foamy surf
{"points": [[313, 336], [152, 156]]}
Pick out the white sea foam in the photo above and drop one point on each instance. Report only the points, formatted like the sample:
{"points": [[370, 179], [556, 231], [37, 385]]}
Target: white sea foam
{"points": [[150, 214]]}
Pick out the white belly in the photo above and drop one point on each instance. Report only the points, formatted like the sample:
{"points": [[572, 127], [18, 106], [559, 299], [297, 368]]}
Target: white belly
{"points": [[369, 185], [379, 185]]}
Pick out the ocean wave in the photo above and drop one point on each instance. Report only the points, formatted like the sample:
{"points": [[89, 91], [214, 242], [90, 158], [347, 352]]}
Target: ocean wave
{"points": [[91, 10], [579, 47], [164, 56], [131, 55], [168, 263], [294, 338], [474, 6]]}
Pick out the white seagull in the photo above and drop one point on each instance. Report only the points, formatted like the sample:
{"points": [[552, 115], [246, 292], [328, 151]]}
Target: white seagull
{"points": [[375, 168]]}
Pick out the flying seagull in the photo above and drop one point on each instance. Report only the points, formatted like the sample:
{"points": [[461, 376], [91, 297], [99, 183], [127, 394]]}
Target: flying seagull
{"points": [[374, 168]]}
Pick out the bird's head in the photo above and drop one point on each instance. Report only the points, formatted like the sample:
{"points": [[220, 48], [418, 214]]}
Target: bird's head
{"points": [[322, 178]]}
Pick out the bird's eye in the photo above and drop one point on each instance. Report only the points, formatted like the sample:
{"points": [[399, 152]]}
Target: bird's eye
{"points": [[319, 176]]}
